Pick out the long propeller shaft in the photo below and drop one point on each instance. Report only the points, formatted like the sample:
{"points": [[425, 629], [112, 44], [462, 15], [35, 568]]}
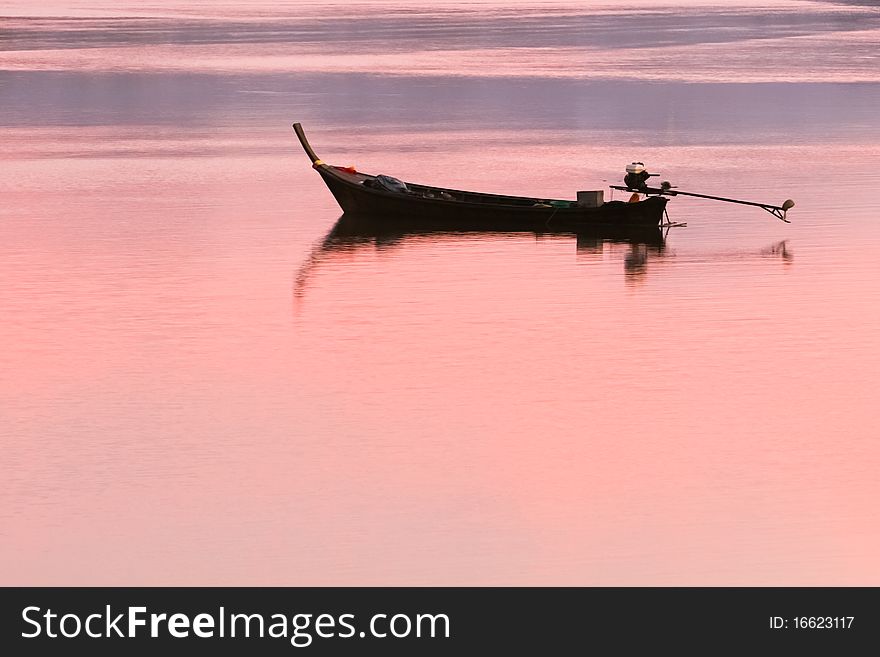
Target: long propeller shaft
{"points": [[778, 211]]}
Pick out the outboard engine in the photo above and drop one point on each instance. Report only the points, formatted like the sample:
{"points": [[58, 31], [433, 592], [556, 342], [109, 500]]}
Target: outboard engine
{"points": [[636, 175]]}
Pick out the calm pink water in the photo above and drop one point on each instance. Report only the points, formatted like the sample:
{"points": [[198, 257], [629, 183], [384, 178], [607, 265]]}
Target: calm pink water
{"points": [[196, 388]]}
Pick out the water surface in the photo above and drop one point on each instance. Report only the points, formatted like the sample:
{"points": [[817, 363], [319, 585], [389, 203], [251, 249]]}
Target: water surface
{"points": [[199, 387]]}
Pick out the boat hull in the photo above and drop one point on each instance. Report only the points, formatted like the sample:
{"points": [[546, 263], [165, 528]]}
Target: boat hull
{"points": [[484, 212]]}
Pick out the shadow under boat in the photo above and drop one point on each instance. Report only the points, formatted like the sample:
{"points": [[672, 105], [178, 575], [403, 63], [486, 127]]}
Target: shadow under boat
{"points": [[356, 231], [355, 228], [639, 244]]}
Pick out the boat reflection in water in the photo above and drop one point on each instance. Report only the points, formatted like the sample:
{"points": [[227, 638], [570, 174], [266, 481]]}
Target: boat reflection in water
{"points": [[640, 247], [354, 232], [637, 246]]}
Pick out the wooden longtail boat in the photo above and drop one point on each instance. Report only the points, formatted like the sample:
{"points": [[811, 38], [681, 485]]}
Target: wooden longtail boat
{"points": [[379, 195]]}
